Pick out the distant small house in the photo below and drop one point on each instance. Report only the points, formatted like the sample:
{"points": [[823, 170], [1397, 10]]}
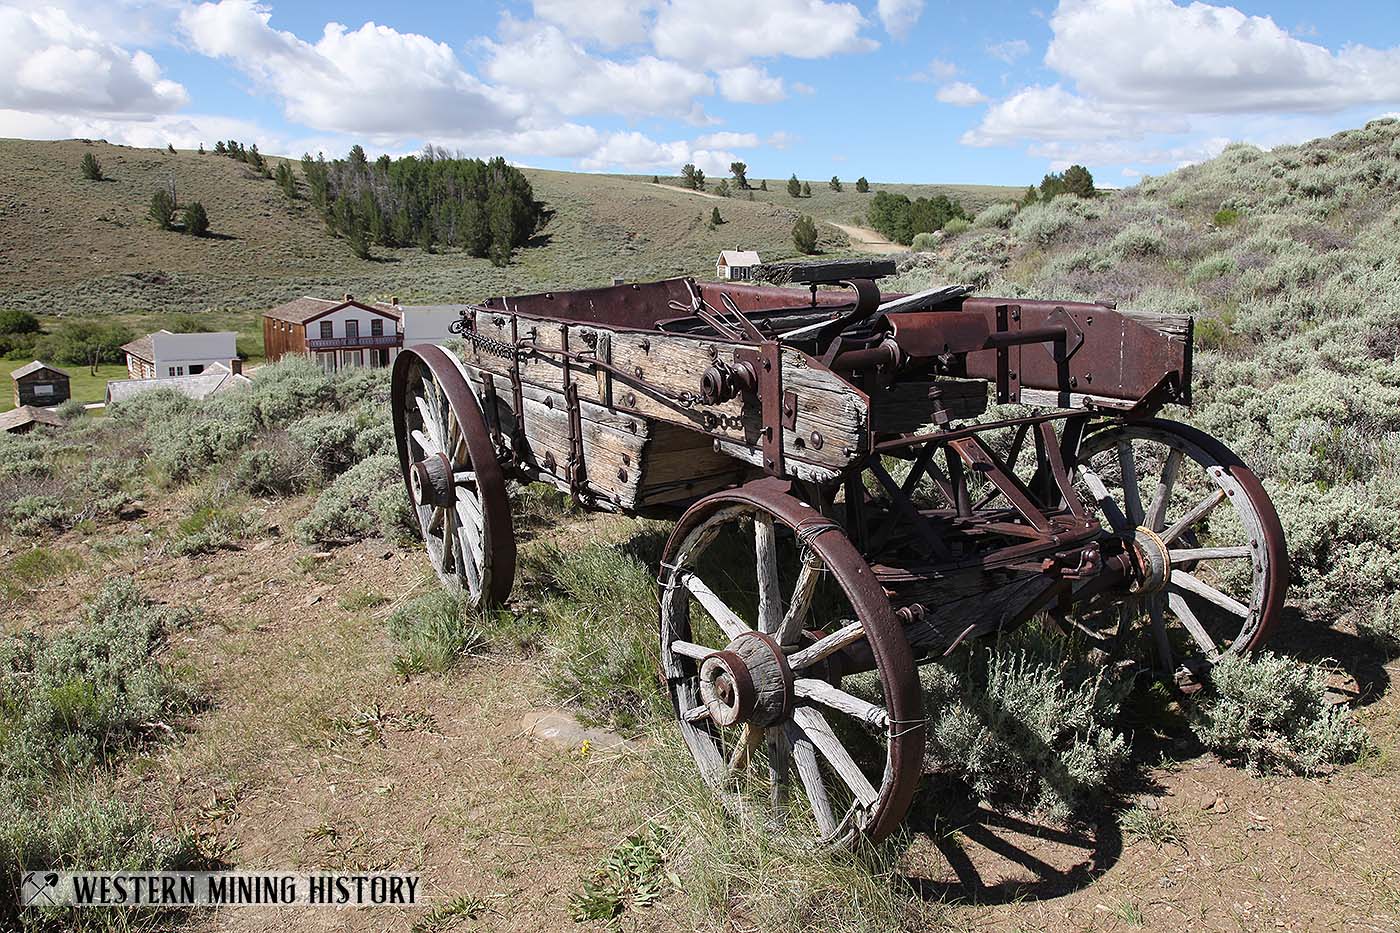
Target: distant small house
{"points": [[40, 384], [337, 334], [428, 323], [164, 355], [736, 264], [26, 418], [215, 379]]}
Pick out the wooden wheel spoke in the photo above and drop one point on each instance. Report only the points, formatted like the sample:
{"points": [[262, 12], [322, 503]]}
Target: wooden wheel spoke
{"points": [[804, 756], [1156, 515], [770, 600], [819, 691], [824, 647], [1177, 603], [425, 443], [1160, 635], [1116, 519], [725, 617], [696, 713], [779, 771], [1132, 495], [1188, 554], [1198, 512], [691, 650], [749, 739], [814, 725], [801, 603], [1183, 581]]}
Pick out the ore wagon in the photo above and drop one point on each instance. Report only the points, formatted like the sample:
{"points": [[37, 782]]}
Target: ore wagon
{"points": [[863, 482]]}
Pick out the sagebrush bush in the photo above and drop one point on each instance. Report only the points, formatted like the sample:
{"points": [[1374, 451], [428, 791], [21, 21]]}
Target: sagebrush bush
{"points": [[1026, 726], [368, 499], [1138, 240], [1272, 715], [957, 225], [1045, 221], [997, 215], [1381, 626], [33, 514], [923, 242]]}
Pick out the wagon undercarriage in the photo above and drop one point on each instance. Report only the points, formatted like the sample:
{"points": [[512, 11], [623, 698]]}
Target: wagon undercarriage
{"points": [[851, 506]]}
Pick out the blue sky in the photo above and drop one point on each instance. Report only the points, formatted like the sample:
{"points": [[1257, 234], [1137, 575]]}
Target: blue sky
{"points": [[897, 90]]}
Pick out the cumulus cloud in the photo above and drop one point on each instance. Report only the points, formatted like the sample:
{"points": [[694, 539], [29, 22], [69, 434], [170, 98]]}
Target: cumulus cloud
{"points": [[634, 150], [728, 33], [750, 84], [611, 23], [1046, 113], [937, 70], [727, 141], [540, 60], [1010, 50], [961, 94], [184, 131], [371, 80], [899, 16], [52, 64], [1209, 59]]}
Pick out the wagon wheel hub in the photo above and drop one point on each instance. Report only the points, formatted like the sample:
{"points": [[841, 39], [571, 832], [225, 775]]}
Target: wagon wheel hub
{"points": [[431, 481], [748, 681], [1153, 561]]}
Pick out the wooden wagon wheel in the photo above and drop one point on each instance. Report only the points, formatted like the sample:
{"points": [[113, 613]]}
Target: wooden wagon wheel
{"points": [[1216, 577], [758, 593], [453, 476]]}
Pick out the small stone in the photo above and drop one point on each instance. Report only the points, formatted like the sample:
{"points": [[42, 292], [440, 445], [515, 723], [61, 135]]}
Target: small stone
{"points": [[314, 599], [567, 732], [1208, 801], [321, 555], [1150, 803], [388, 553], [263, 545]]}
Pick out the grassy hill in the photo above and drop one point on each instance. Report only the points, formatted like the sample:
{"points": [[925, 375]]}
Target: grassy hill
{"points": [[1290, 261], [71, 245], [847, 206]]}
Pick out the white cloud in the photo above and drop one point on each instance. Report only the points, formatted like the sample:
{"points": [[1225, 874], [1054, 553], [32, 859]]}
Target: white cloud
{"points": [[611, 23], [52, 64], [1047, 113], [727, 141], [961, 94], [540, 60], [899, 16], [750, 84], [1209, 59], [937, 70], [728, 33], [184, 131], [1010, 50], [781, 139], [372, 80], [633, 150]]}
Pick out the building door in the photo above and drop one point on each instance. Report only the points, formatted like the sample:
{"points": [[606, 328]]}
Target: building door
{"points": [[327, 361], [381, 358]]}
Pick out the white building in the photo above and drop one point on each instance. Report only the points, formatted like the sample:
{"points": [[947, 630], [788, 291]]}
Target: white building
{"points": [[214, 379], [736, 264], [428, 323], [164, 355]]}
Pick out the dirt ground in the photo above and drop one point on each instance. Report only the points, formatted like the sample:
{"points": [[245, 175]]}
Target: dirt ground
{"points": [[313, 753]]}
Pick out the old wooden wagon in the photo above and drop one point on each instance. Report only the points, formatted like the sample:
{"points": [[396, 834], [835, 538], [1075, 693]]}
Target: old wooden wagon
{"points": [[850, 506]]}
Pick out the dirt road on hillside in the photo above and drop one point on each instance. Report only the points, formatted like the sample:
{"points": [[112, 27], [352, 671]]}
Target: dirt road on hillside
{"points": [[865, 240]]}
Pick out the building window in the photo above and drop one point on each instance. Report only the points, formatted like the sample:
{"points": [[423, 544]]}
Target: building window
{"points": [[327, 330], [376, 328], [196, 369], [352, 329], [170, 370]]}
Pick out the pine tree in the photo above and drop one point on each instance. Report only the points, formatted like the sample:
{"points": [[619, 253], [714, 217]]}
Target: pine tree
{"points": [[804, 235], [1031, 196], [715, 219], [502, 221], [806, 190], [162, 208], [201, 149], [196, 220], [862, 185], [90, 167], [763, 184], [286, 180], [794, 187], [220, 148], [722, 189], [834, 184], [170, 148], [656, 179], [740, 172]]}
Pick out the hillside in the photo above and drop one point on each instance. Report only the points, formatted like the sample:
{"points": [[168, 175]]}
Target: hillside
{"points": [[69, 245], [847, 206], [1290, 261]]}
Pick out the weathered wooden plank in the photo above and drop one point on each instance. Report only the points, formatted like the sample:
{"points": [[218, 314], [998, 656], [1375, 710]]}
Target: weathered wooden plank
{"points": [[675, 363], [910, 406]]}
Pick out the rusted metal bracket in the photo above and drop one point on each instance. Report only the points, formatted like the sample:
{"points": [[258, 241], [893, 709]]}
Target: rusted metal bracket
{"points": [[574, 470], [517, 390], [493, 414], [766, 363]]}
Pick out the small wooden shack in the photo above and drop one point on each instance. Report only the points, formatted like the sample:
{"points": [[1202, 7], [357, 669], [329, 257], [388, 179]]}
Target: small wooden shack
{"points": [[26, 418], [40, 384]]}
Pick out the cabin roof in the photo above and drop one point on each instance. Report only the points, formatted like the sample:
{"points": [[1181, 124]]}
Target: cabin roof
{"points": [[27, 414], [29, 369]]}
